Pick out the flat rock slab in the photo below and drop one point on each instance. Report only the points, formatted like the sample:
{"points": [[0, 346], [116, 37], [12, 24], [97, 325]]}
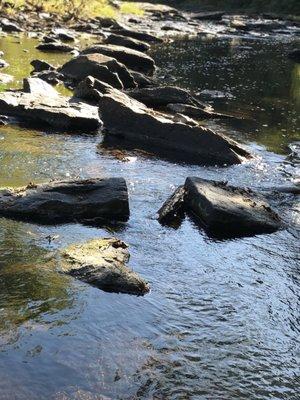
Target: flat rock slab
{"points": [[59, 112], [129, 119], [101, 67], [101, 263], [86, 201], [229, 211], [132, 59], [55, 47], [127, 42]]}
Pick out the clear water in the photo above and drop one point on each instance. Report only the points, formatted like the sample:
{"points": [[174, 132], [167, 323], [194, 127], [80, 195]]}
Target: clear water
{"points": [[222, 319]]}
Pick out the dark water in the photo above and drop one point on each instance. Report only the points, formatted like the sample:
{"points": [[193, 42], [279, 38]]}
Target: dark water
{"points": [[222, 319]]}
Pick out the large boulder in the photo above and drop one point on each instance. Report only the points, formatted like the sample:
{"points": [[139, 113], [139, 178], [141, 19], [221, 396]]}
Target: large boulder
{"points": [[127, 42], [129, 119], [101, 67], [229, 211], [102, 263], [132, 59], [86, 201]]}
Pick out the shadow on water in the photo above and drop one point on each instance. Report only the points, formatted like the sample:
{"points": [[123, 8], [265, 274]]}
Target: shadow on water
{"points": [[222, 319]]}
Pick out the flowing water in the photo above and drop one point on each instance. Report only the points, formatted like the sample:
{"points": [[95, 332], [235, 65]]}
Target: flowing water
{"points": [[222, 319]]}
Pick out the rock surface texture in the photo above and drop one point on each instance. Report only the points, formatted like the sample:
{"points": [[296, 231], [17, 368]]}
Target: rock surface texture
{"points": [[101, 263], [92, 200]]}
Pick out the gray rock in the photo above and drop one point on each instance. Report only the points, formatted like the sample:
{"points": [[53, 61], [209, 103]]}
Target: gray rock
{"points": [[199, 112], [3, 63], [64, 35], [127, 42], [37, 86], [59, 112], [102, 263], [101, 67], [163, 95], [86, 201], [132, 59], [229, 211], [173, 208], [55, 47], [143, 36], [6, 78], [91, 89], [51, 77], [212, 16], [8, 26], [129, 119], [40, 65], [295, 55], [142, 80]]}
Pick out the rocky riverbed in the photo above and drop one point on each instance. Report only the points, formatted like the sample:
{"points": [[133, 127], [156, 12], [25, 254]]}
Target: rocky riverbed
{"points": [[138, 100]]}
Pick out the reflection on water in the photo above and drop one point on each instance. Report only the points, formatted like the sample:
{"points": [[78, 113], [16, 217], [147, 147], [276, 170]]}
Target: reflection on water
{"points": [[222, 319]]}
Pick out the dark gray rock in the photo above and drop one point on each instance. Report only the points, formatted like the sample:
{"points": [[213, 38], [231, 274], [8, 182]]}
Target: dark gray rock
{"points": [[102, 263], [142, 80], [51, 77], [199, 112], [88, 201], [63, 34], [132, 59], [8, 26], [127, 42], [229, 211], [91, 89], [163, 95], [173, 208], [143, 36], [40, 65], [295, 55], [101, 67], [212, 16], [55, 47], [129, 119]]}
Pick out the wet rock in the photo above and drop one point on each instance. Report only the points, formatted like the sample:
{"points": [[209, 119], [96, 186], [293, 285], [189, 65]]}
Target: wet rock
{"points": [[229, 211], [40, 65], [143, 36], [174, 207], [295, 55], [86, 201], [199, 113], [3, 64], [129, 119], [91, 89], [102, 263], [132, 59], [59, 112], [127, 42], [101, 67], [162, 96], [211, 16], [8, 26], [55, 47], [37, 86]]}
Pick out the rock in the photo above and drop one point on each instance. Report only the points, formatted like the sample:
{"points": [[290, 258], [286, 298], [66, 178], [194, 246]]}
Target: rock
{"points": [[162, 96], [129, 119], [91, 89], [229, 211], [127, 42], [6, 78], [8, 26], [143, 36], [101, 67], [212, 16], [37, 86], [51, 77], [197, 112], [55, 47], [64, 35], [295, 55], [40, 65], [132, 59], [85, 201], [3, 120], [141, 79], [59, 112], [49, 39], [173, 209], [101, 263], [3, 64]]}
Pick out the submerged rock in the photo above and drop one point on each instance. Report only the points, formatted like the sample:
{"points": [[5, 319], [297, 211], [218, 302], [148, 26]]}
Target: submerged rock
{"points": [[129, 119], [229, 211], [132, 59], [91, 200], [102, 263], [101, 67], [127, 42]]}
